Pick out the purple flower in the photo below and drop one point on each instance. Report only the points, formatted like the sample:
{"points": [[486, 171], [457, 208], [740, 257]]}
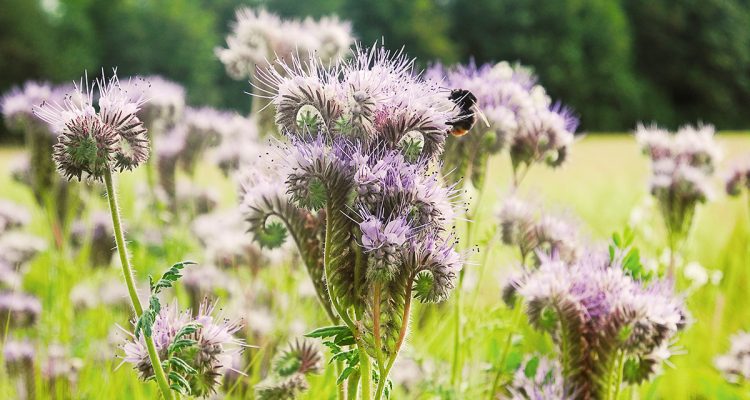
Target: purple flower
{"points": [[595, 311], [165, 100], [92, 142], [12, 216], [214, 347], [383, 243], [738, 178], [735, 364], [19, 309]]}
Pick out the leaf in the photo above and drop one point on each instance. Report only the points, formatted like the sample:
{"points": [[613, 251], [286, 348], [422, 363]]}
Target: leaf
{"points": [[328, 331], [531, 367], [170, 276], [344, 338], [180, 364], [345, 374], [179, 383], [154, 305]]}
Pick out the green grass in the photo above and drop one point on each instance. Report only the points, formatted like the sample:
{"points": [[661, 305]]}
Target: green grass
{"points": [[604, 180]]}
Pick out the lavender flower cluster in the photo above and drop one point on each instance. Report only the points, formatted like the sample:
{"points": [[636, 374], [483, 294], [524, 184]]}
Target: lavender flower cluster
{"points": [[258, 36], [521, 117], [682, 164], [363, 202], [602, 320]]}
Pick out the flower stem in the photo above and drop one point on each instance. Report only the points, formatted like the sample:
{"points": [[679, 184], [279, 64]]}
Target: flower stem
{"points": [[517, 311], [366, 374], [127, 271]]}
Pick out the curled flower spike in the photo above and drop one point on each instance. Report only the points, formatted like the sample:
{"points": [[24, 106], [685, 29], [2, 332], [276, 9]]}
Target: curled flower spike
{"points": [[599, 316], [290, 368], [92, 142]]}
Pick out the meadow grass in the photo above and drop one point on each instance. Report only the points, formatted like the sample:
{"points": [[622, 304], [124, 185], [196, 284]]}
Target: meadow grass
{"points": [[603, 182]]}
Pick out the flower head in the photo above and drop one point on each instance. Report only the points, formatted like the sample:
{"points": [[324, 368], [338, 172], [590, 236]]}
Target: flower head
{"points": [[93, 142], [12, 216], [19, 309], [595, 310], [19, 356], [210, 355], [738, 179]]}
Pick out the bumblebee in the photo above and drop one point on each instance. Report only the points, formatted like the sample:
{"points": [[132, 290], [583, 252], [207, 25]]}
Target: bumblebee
{"points": [[468, 111]]}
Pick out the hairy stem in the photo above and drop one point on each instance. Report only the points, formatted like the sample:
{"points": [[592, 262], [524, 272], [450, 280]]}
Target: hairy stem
{"points": [[127, 271], [352, 386]]}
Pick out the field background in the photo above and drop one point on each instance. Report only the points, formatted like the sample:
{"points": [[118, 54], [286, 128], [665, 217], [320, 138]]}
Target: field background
{"points": [[601, 185]]}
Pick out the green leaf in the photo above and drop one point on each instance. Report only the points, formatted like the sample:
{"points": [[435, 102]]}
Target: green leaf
{"points": [[179, 383], [180, 365], [344, 338], [328, 331], [170, 276], [345, 374]]}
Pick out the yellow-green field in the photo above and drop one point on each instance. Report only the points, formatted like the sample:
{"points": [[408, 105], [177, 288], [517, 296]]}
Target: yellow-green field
{"points": [[604, 181]]}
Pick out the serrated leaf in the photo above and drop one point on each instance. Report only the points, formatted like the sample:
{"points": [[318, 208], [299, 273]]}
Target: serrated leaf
{"points": [[345, 374], [344, 338], [171, 276], [180, 382], [154, 305], [328, 331], [180, 364]]}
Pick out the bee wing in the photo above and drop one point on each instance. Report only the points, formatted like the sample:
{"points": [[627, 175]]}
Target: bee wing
{"points": [[479, 112]]}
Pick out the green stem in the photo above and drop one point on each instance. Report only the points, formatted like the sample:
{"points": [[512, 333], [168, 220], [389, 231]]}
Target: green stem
{"points": [[353, 386], [127, 271], [366, 373], [517, 311], [616, 375], [341, 389]]}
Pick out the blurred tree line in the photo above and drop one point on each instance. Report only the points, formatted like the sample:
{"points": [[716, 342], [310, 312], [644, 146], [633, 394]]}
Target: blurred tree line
{"points": [[615, 62]]}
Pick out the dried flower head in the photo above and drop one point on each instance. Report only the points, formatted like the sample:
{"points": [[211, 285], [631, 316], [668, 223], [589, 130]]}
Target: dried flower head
{"points": [[210, 355], [92, 142], [597, 313]]}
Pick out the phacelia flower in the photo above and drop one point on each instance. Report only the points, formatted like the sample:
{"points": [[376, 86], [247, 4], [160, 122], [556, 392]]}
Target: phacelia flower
{"points": [[60, 370], [18, 103], [521, 117], [92, 142], [19, 309], [535, 232], [258, 36], [363, 202], [17, 247], [290, 368], [682, 165], [212, 353], [596, 313], [738, 179], [12, 216], [165, 100], [735, 364]]}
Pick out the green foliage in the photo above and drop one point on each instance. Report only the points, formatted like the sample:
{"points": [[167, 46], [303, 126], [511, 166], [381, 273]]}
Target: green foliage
{"points": [[167, 280], [631, 258], [335, 338]]}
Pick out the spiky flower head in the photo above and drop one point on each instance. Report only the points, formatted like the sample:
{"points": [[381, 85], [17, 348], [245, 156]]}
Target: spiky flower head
{"points": [[210, 355], [91, 142], [521, 115], [258, 36], [738, 178], [20, 310], [165, 100], [735, 364], [290, 368], [596, 313], [682, 165]]}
